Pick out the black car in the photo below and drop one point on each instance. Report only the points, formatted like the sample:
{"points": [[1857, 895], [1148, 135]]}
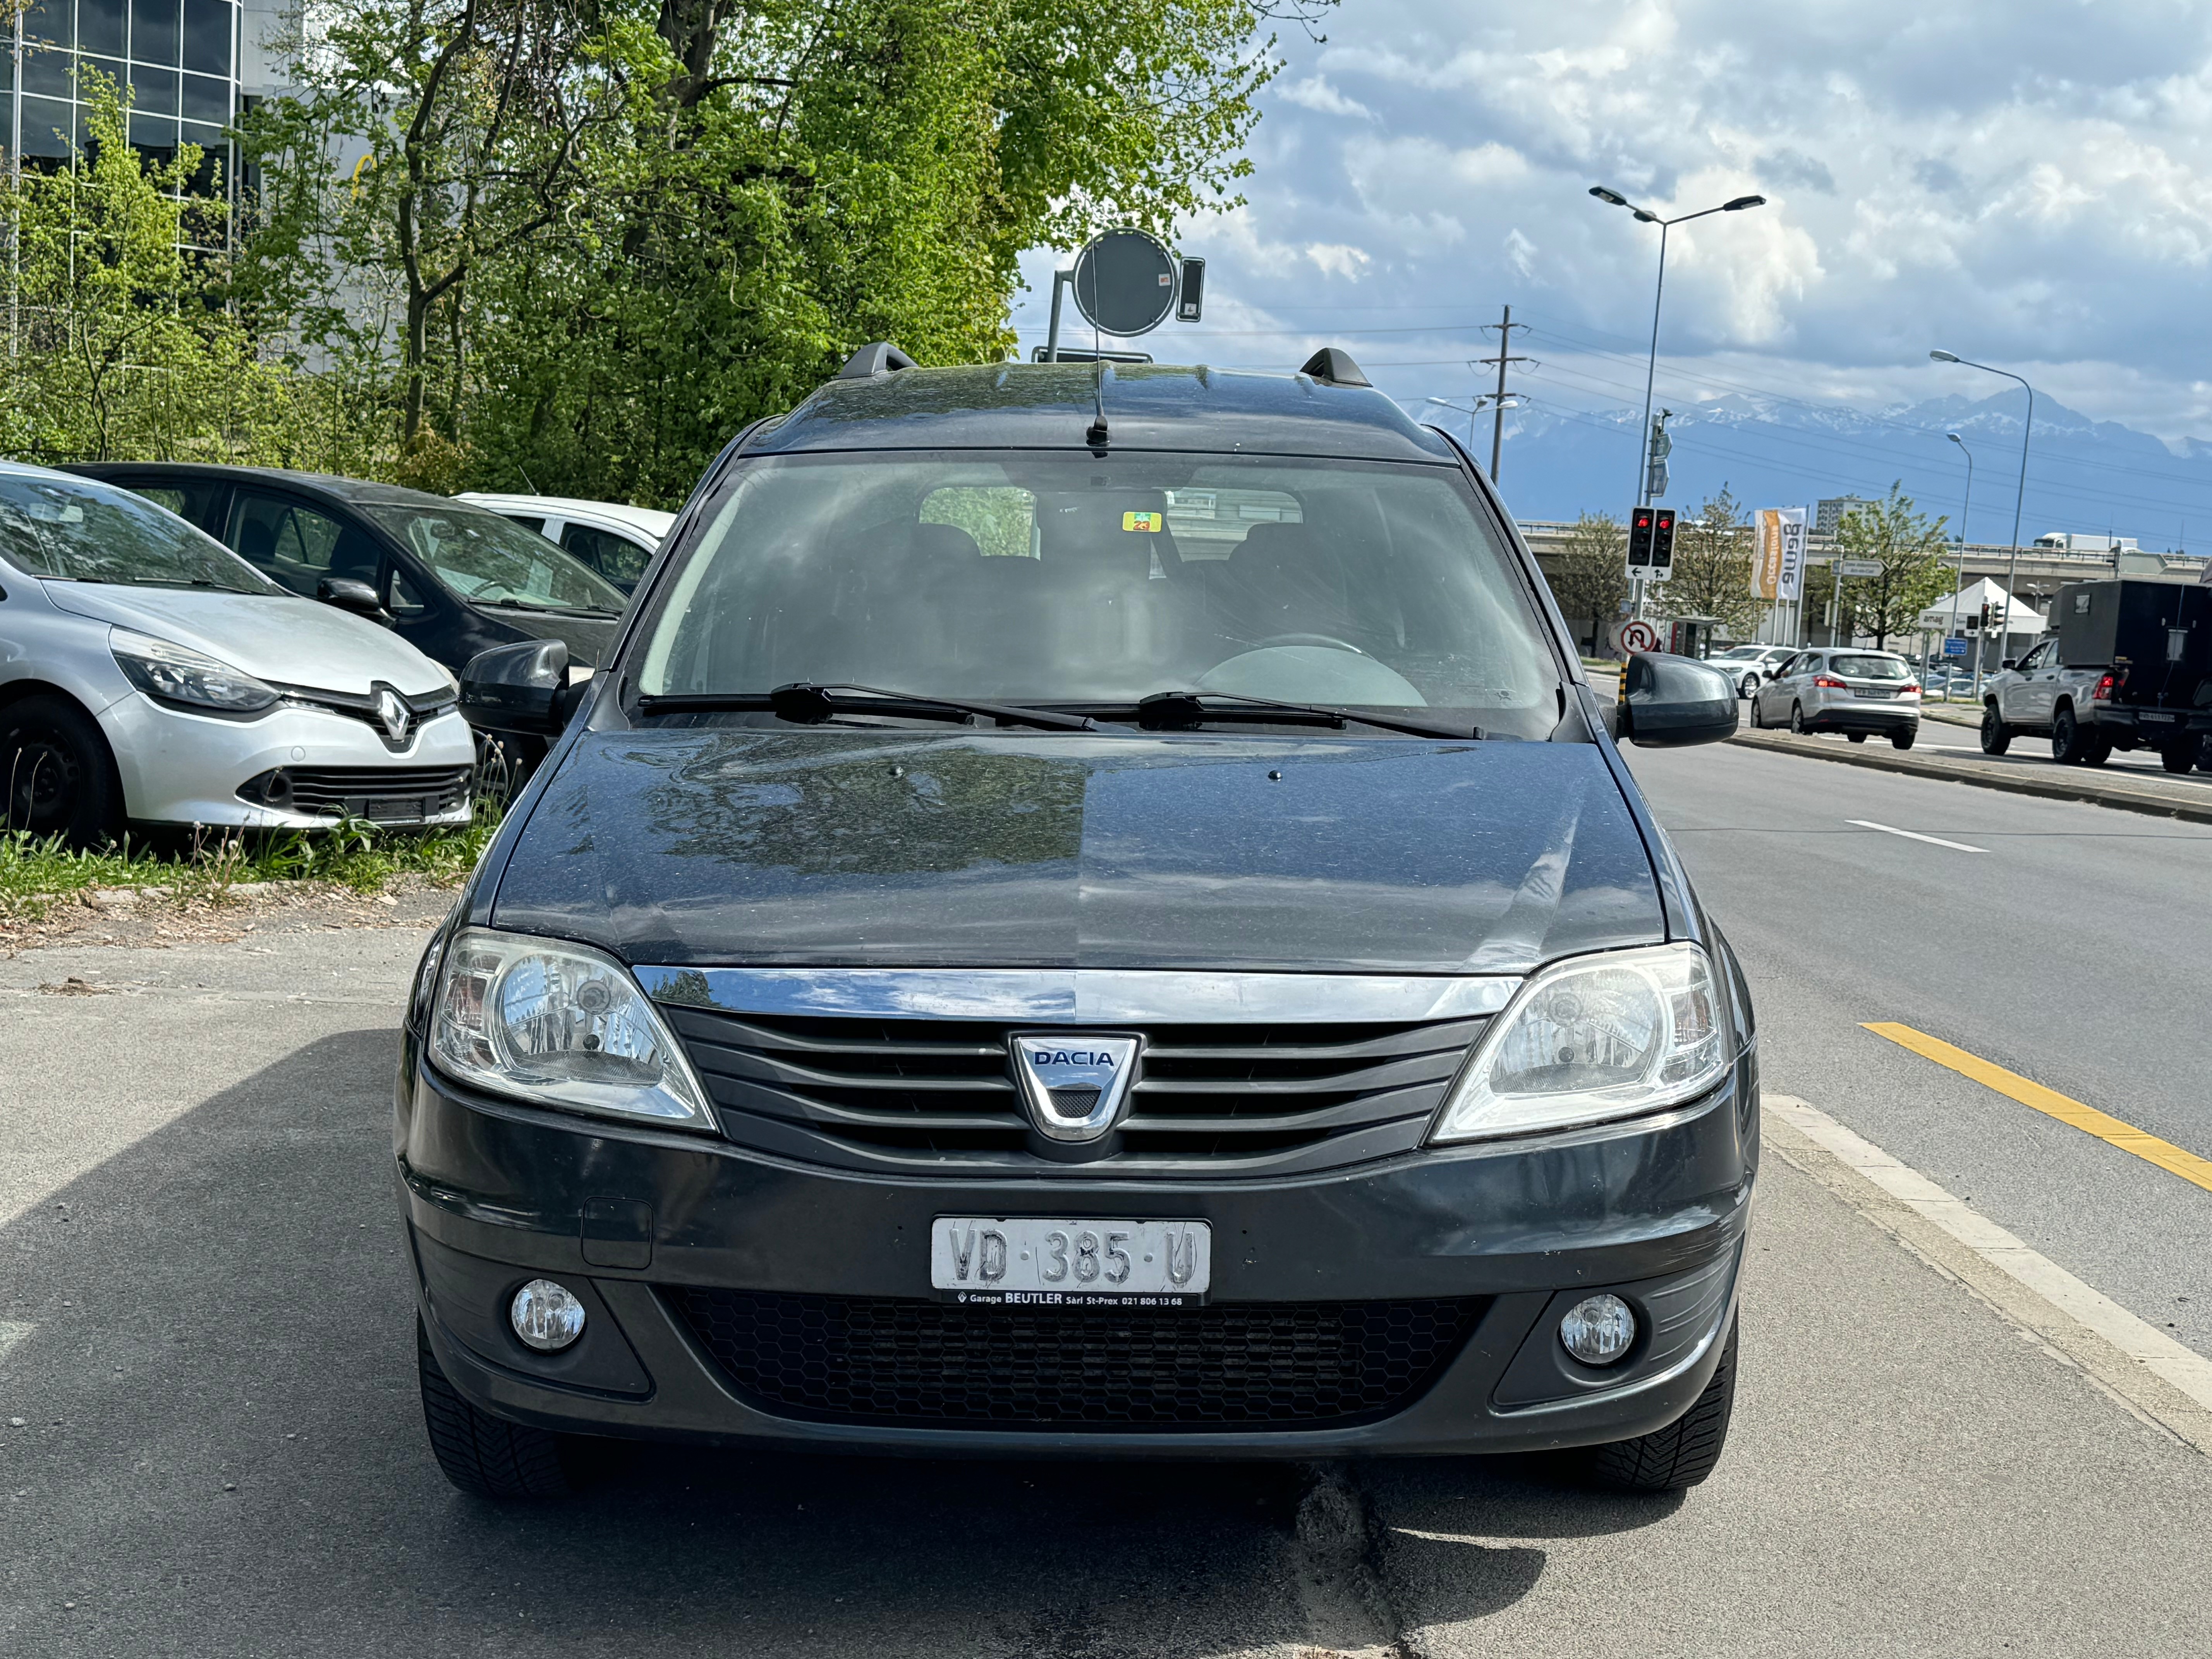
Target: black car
{"points": [[1087, 911], [450, 579]]}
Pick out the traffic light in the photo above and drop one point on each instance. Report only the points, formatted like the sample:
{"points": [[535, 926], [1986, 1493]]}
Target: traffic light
{"points": [[1639, 536], [1662, 540]]}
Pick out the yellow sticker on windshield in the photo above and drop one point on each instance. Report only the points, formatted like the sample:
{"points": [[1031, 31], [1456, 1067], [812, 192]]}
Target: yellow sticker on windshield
{"points": [[1152, 521]]}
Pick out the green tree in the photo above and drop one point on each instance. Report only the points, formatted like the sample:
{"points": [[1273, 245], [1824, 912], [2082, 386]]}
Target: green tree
{"points": [[1712, 567], [1909, 547], [1590, 575], [593, 241], [118, 348]]}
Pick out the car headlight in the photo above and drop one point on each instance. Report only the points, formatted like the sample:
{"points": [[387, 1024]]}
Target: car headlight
{"points": [[1592, 1038], [559, 1024], [176, 673]]}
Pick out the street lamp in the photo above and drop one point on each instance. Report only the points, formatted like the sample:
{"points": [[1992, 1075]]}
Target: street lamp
{"points": [[1471, 410], [1960, 584], [2019, 496], [1482, 400], [1645, 215]]}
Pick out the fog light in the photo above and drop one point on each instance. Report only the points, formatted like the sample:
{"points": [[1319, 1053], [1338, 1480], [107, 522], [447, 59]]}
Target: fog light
{"points": [[546, 1315], [1597, 1330]]}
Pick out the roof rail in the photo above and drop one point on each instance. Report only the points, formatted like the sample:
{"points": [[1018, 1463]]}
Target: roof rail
{"points": [[880, 357], [1332, 366]]}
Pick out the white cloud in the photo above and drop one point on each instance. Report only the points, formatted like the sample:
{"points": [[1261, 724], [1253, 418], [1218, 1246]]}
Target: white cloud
{"points": [[1314, 92], [1336, 258], [2027, 183]]}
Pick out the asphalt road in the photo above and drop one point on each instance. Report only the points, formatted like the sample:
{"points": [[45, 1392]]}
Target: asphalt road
{"points": [[2072, 949], [205, 1330]]}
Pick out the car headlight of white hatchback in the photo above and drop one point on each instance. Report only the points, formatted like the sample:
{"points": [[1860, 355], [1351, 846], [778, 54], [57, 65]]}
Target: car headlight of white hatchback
{"points": [[177, 673], [1592, 1038], [559, 1024]]}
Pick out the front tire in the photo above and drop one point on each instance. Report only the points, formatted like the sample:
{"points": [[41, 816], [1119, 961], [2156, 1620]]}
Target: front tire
{"points": [[484, 1456], [1684, 1452], [58, 776], [1997, 736]]}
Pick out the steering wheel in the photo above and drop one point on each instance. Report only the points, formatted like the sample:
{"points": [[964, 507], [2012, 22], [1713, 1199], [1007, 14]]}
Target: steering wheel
{"points": [[1331, 641]]}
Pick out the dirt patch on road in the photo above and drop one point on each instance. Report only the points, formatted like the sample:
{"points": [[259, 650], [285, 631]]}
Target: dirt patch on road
{"points": [[155, 921]]}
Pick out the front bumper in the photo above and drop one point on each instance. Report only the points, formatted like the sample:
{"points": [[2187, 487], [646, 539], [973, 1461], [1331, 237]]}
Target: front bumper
{"points": [[495, 1193], [180, 768]]}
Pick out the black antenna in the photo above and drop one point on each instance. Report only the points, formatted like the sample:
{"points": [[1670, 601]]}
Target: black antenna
{"points": [[1097, 436]]}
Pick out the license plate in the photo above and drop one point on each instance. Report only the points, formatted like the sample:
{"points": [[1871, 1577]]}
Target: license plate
{"points": [[1070, 1263], [2148, 714], [1861, 691]]}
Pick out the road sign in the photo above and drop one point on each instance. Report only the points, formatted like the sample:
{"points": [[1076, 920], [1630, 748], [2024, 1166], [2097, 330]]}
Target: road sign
{"points": [[1125, 282], [1859, 567], [1636, 634], [1955, 645]]}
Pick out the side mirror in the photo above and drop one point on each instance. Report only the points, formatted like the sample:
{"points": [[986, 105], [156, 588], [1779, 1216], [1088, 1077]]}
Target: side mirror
{"points": [[1668, 703], [350, 593], [518, 687], [2008, 663]]}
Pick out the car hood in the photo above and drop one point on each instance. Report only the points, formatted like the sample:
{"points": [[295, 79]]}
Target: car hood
{"points": [[730, 845], [281, 638]]}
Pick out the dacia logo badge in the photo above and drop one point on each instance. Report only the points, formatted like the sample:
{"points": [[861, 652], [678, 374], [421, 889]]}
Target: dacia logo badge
{"points": [[392, 713], [1075, 1083]]}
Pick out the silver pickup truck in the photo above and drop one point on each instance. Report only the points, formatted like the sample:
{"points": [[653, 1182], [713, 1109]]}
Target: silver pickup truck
{"points": [[2127, 668], [2041, 695]]}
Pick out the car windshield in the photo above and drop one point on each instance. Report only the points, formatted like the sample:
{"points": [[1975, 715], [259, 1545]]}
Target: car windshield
{"points": [[1058, 580], [1743, 652], [78, 530], [1872, 667], [493, 561]]}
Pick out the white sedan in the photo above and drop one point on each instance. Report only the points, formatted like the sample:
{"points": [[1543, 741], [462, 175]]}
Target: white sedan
{"points": [[148, 674], [1749, 664], [615, 539]]}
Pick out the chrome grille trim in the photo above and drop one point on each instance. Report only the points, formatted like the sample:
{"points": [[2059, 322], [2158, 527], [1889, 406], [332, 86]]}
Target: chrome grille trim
{"points": [[1101, 995], [1211, 1100]]}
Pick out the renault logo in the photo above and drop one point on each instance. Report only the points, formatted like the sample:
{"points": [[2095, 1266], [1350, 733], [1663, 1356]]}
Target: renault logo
{"points": [[392, 713], [1075, 1082]]}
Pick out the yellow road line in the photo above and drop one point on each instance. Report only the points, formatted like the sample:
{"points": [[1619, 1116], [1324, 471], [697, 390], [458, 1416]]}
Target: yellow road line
{"points": [[2088, 1119]]}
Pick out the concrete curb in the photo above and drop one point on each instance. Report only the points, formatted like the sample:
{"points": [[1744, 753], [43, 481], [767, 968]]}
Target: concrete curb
{"points": [[2149, 1372], [2093, 792]]}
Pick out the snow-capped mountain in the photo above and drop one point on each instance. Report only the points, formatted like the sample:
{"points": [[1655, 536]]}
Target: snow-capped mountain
{"points": [[2095, 477]]}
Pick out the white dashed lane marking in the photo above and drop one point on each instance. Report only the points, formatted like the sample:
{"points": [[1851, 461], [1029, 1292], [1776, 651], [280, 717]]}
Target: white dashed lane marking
{"points": [[1914, 835]]}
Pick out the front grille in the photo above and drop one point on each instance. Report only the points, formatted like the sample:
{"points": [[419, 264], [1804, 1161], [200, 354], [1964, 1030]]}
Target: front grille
{"points": [[888, 1092], [1255, 1366], [383, 794]]}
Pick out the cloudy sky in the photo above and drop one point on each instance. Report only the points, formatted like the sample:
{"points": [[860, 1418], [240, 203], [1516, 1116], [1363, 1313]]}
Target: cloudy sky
{"points": [[2021, 181]]}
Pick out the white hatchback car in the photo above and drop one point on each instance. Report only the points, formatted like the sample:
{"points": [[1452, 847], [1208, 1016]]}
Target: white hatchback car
{"points": [[148, 674], [615, 539]]}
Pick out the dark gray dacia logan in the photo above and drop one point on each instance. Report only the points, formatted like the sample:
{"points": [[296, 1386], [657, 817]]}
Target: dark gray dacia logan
{"points": [[1086, 911]]}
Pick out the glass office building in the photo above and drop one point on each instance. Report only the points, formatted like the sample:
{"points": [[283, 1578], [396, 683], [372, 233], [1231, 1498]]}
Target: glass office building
{"points": [[180, 58]]}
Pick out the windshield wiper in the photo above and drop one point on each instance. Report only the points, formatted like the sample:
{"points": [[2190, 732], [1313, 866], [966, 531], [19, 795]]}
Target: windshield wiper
{"points": [[1181, 711], [804, 703]]}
